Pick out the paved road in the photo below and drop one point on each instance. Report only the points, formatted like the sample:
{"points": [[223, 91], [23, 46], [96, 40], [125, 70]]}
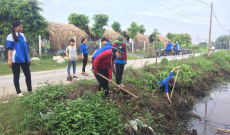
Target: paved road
{"points": [[56, 76]]}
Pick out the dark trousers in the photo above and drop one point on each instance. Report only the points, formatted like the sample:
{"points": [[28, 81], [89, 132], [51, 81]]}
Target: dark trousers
{"points": [[84, 61], [16, 73], [162, 87], [102, 82], [119, 72]]}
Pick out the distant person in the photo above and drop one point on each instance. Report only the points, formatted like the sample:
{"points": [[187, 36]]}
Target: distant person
{"points": [[120, 61], [166, 84], [72, 58], [84, 55], [105, 42], [103, 64], [175, 48], [18, 56], [168, 48]]}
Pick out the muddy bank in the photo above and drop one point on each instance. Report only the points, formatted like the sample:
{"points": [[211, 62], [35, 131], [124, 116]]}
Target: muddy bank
{"points": [[195, 78]]}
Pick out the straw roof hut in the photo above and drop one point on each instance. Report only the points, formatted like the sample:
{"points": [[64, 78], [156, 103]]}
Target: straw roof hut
{"points": [[140, 38], [60, 34], [163, 39], [111, 35]]}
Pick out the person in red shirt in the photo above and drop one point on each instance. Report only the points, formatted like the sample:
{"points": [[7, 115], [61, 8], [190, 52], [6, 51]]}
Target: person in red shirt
{"points": [[103, 64], [120, 62]]}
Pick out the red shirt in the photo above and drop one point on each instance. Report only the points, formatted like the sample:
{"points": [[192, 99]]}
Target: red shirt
{"points": [[122, 56], [103, 61]]}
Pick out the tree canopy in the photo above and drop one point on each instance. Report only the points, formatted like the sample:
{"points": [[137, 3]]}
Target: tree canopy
{"points": [[101, 20], [133, 29], [116, 27], [79, 20], [222, 42], [27, 11], [142, 29], [182, 39], [155, 32]]}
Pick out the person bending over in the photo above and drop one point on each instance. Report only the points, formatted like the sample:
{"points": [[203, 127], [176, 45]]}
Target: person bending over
{"points": [[166, 84], [103, 64]]}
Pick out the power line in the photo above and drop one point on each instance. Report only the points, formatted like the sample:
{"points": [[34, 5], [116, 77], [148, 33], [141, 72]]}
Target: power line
{"points": [[174, 11], [203, 2], [191, 3], [218, 21], [179, 8]]}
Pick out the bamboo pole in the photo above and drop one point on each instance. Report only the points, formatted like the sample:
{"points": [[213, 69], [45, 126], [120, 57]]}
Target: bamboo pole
{"points": [[115, 84], [174, 83]]}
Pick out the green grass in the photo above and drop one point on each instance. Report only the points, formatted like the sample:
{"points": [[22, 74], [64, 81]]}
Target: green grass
{"points": [[46, 63], [11, 115]]}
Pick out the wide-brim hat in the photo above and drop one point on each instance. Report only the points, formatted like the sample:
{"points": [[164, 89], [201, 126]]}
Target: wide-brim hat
{"points": [[119, 40], [120, 49]]}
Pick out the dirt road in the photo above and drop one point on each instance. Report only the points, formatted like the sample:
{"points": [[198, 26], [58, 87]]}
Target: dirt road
{"points": [[56, 76]]}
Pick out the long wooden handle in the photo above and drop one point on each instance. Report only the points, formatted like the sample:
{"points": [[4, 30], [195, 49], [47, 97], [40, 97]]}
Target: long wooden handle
{"points": [[174, 83], [115, 84]]}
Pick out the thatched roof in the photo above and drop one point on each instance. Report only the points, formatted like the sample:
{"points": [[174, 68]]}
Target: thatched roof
{"points": [[111, 35], [139, 42], [60, 34], [163, 39]]}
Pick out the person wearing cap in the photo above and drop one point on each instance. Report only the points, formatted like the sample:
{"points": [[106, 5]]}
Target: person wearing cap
{"points": [[105, 42], [120, 61], [169, 47], [103, 64]]}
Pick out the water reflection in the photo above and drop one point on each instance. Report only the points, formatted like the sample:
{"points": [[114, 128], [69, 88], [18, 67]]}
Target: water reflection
{"points": [[216, 115]]}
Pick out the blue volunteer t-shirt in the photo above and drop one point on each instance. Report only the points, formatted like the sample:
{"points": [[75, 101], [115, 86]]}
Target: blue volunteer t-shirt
{"points": [[165, 82], [84, 48], [20, 38], [108, 44], [169, 46], [99, 51], [120, 61]]}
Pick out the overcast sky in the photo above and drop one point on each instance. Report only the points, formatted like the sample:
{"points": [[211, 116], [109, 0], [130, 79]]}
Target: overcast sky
{"points": [[176, 16]]}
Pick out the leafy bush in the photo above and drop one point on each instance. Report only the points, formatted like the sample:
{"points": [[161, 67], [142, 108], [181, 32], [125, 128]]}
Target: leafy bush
{"points": [[164, 62], [90, 114]]}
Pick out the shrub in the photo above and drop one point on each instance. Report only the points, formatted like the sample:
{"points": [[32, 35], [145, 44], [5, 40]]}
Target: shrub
{"points": [[90, 114], [164, 62]]}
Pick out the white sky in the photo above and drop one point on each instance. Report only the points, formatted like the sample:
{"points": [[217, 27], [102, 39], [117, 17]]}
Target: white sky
{"points": [[176, 16]]}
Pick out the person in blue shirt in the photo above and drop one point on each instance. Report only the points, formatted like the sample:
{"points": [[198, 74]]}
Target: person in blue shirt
{"points": [[84, 55], [18, 56], [175, 48], [166, 84], [105, 42], [168, 47], [99, 51]]}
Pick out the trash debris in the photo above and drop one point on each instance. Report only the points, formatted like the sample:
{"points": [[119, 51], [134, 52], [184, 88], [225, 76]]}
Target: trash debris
{"points": [[137, 124], [5, 101], [222, 130]]}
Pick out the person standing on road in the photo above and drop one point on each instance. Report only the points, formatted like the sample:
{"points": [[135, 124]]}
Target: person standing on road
{"points": [[18, 56], [166, 84], [71, 54], [168, 48], [105, 42], [175, 48], [120, 61], [103, 64], [84, 55]]}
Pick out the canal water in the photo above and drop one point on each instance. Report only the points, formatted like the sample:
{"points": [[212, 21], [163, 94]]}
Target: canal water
{"points": [[214, 110]]}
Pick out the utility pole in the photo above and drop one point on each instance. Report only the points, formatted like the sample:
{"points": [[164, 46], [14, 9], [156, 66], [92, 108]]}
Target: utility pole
{"points": [[210, 31]]}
